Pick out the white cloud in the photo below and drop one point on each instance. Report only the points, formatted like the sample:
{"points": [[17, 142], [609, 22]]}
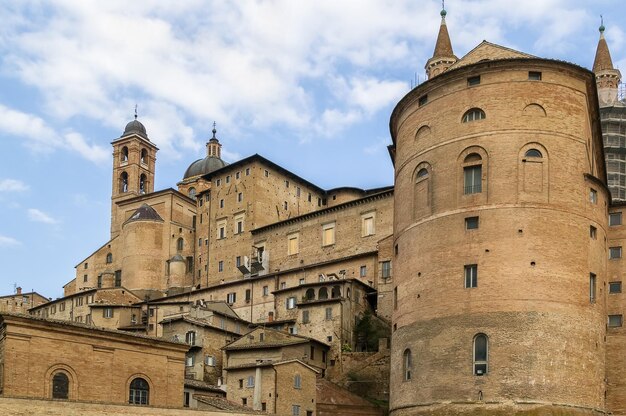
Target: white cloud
{"points": [[40, 137], [8, 241], [40, 216], [12, 185]]}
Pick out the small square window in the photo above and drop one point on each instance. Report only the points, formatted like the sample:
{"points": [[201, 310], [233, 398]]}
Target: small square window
{"points": [[422, 100], [615, 218], [473, 80], [471, 223], [615, 321], [615, 252], [534, 76], [615, 287]]}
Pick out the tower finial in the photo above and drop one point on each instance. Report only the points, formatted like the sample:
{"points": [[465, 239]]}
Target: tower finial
{"points": [[601, 28], [135, 111], [214, 130], [443, 9]]}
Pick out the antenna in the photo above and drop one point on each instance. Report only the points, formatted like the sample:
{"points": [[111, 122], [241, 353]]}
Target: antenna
{"points": [[135, 111]]}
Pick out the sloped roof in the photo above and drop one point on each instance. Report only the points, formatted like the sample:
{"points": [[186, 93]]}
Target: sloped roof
{"points": [[273, 338], [144, 213], [487, 51], [443, 46]]}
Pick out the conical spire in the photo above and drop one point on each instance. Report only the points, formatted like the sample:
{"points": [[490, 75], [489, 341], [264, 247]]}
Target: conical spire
{"points": [[443, 56], [607, 77], [603, 56], [443, 47]]}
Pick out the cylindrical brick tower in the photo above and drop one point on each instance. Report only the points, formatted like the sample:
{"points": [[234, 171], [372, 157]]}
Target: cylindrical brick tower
{"points": [[142, 265], [500, 239]]}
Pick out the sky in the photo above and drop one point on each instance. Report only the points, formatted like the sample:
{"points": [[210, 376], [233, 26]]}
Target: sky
{"points": [[308, 84]]}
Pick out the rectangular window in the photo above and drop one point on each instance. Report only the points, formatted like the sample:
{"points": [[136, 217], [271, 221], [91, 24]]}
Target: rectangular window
{"points": [[99, 281], [221, 203], [237, 175], [615, 287], [593, 232], [329, 314], [472, 176], [286, 184], [107, 313], [248, 295], [266, 173], [250, 382], [283, 285], [118, 278], [189, 360], [293, 244], [363, 272], [471, 223], [241, 383], [615, 252], [295, 410], [593, 196], [386, 269], [473, 81], [231, 298], [85, 277], [592, 288], [328, 234], [240, 197], [220, 266], [615, 321], [615, 218], [86, 266], [291, 303], [238, 261], [221, 229], [199, 242], [534, 76], [305, 317], [266, 290], [186, 399], [302, 281], [218, 182], [247, 171], [244, 401], [190, 338], [61, 306], [209, 360], [471, 275], [227, 178], [298, 192], [422, 100], [395, 298], [368, 222]]}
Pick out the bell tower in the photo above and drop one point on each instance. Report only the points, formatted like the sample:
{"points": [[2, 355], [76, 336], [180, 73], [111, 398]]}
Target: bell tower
{"points": [[134, 157]]}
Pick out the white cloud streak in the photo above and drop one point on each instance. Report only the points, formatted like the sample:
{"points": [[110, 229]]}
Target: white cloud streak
{"points": [[12, 185], [8, 241], [36, 215]]}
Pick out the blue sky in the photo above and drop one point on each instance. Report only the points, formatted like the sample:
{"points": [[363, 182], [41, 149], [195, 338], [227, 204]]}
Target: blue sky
{"points": [[308, 84]]}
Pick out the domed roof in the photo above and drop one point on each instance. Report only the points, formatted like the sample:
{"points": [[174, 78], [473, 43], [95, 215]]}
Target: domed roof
{"points": [[135, 127], [177, 257], [144, 213], [203, 166]]}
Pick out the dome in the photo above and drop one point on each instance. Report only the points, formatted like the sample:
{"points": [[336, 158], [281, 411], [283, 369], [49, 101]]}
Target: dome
{"points": [[177, 257], [144, 213], [135, 127], [203, 166]]}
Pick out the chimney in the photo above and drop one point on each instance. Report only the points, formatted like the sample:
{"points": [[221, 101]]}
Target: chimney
{"points": [[19, 290]]}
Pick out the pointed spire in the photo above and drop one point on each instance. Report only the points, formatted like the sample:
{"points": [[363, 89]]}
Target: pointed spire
{"points": [[603, 56], [443, 56], [607, 77]]}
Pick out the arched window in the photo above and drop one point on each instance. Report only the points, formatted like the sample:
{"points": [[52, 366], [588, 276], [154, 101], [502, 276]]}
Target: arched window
{"points": [[192, 193], [142, 184], [533, 153], [335, 292], [310, 294], [109, 258], [423, 173], [473, 114], [406, 364], [60, 386], [481, 354], [124, 182], [144, 156], [323, 293], [348, 292], [472, 174], [124, 154], [139, 392], [180, 244], [297, 381]]}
